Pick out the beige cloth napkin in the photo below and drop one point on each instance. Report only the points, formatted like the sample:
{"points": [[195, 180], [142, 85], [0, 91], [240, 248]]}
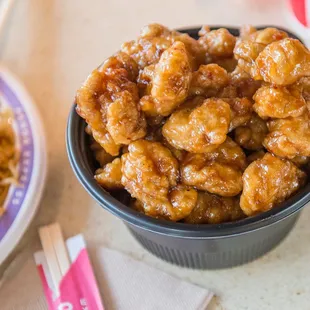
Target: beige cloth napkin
{"points": [[125, 284]]}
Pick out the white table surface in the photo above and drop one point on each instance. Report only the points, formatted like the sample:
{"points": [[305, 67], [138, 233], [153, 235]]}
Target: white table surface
{"points": [[52, 45]]}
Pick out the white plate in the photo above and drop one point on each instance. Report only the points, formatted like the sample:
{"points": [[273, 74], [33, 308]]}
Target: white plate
{"points": [[23, 200]]}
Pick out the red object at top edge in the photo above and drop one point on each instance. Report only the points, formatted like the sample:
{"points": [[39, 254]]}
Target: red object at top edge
{"points": [[299, 9]]}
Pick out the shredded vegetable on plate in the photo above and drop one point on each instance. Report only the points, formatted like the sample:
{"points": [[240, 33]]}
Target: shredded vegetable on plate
{"points": [[8, 155]]}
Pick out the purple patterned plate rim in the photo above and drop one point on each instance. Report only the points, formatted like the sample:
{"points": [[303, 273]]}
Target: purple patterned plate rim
{"points": [[23, 199]]}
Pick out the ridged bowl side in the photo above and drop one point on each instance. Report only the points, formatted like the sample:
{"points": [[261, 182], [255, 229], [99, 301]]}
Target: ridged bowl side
{"points": [[212, 253]]}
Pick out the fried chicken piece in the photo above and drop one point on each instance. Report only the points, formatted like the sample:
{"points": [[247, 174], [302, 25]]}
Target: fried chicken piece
{"points": [[179, 196], [148, 166], [103, 94], [252, 134], [154, 30], [201, 129], [289, 137], [154, 40], [267, 182], [241, 108], [170, 83], [279, 102], [218, 43], [121, 60], [218, 172], [213, 177], [208, 80], [249, 47], [89, 108], [150, 174], [269, 35], [256, 41], [241, 111], [157, 134], [172, 77], [255, 155], [183, 200], [125, 121], [213, 209], [109, 177], [283, 62], [114, 81]]}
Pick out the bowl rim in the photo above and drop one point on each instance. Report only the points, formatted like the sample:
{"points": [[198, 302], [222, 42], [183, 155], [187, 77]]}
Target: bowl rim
{"points": [[75, 138]]}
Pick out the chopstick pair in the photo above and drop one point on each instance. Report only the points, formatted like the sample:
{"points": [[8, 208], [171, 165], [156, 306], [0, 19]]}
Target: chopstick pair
{"points": [[55, 252], [66, 272]]}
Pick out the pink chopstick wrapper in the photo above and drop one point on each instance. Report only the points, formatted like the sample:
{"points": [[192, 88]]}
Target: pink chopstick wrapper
{"points": [[78, 288]]}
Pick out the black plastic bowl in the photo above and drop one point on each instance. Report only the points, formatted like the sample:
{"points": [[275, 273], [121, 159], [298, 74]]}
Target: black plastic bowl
{"points": [[195, 246]]}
